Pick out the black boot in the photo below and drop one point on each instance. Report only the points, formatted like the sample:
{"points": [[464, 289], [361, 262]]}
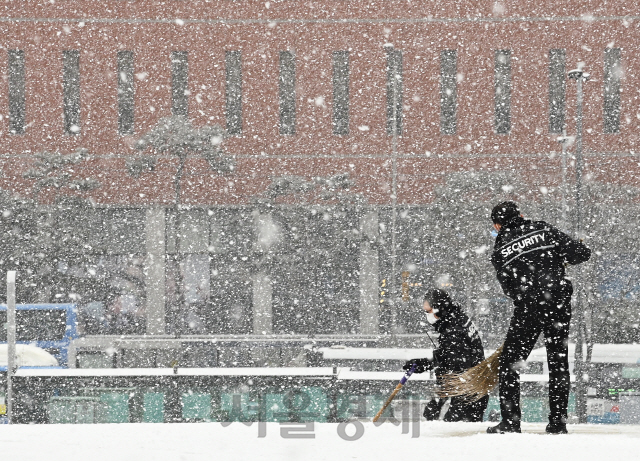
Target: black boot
{"points": [[503, 427], [556, 426]]}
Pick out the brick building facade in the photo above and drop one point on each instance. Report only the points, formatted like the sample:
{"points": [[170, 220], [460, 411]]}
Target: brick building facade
{"points": [[397, 94]]}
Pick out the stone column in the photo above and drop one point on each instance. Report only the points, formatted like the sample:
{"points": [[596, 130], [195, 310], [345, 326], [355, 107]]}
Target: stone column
{"points": [[155, 267], [262, 304], [369, 274], [267, 234]]}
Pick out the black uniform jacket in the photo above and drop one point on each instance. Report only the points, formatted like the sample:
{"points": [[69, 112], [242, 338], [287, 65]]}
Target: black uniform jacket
{"points": [[530, 256], [459, 345]]}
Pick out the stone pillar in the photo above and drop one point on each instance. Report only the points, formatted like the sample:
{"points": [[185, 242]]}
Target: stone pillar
{"points": [[267, 234], [262, 304], [369, 274], [155, 266]]}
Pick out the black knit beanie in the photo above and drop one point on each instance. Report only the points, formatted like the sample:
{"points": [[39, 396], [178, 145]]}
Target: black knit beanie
{"points": [[438, 299], [504, 212]]}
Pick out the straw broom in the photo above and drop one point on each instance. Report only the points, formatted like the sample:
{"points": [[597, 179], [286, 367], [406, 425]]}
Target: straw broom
{"points": [[474, 383]]}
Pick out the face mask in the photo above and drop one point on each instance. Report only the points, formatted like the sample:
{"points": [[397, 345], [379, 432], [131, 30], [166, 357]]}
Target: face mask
{"points": [[494, 233], [431, 318]]}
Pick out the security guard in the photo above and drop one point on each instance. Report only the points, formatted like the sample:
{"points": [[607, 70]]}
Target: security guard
{"points": [[529, 258], [459, 348]]}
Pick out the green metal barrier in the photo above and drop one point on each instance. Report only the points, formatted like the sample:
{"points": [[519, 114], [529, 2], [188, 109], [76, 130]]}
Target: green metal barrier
{"points": [[117, 407], [153, 407], [106, 408], [304, 404], [218, 395], [72, 410], [307, 404], [196, 406]]}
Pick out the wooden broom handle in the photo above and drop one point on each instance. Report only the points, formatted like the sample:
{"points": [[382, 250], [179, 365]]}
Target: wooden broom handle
{"points": [[395, 392], [386, 404]]}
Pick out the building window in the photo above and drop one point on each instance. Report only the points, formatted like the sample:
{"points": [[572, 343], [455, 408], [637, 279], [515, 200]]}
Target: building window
{"points": [[233, 92], [180, 83], [16, 91], [448, 91], [612, 77], [394, 91], [341, 93], [71, 91], [287, 93], [557, 88], [126, 93], [502, 121]]}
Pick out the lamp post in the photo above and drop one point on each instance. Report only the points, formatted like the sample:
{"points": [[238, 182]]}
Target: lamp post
{"points": [[395, 94], [565, 141], [581, 366]]}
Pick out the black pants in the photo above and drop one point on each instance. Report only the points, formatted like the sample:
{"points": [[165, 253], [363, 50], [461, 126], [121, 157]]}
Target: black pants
{"points": [[459, 410], [549, 314]]}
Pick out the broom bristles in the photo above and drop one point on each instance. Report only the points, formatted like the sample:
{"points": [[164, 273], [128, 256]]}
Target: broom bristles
{"points": [[474, 383]]}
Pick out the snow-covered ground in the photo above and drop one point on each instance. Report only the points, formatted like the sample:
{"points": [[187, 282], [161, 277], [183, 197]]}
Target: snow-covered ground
{"points": [[213, 441]]}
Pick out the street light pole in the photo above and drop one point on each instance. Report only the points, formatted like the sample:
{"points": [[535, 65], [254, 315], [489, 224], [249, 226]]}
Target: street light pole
{"points": [[393, 283], [581, 366], [564, 141]]}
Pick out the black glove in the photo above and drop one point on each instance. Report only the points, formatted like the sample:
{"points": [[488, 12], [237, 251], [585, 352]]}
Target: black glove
{"points": [[422, 365]]}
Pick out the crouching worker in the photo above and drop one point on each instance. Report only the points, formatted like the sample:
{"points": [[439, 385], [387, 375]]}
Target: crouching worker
{"points": [[459, 348]]}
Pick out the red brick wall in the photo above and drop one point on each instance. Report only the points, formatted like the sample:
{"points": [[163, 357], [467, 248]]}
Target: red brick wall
{"points": [[314, 30]]}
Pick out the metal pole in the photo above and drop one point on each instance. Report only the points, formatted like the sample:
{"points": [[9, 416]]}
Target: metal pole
{"points": [[579, 156], [11, 339], [580, 369], [564, 140], [394, 193]]}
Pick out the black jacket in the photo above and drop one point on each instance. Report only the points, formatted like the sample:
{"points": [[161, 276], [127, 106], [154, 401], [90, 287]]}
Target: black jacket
{"points": [[530, 256], [459, 345]]}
